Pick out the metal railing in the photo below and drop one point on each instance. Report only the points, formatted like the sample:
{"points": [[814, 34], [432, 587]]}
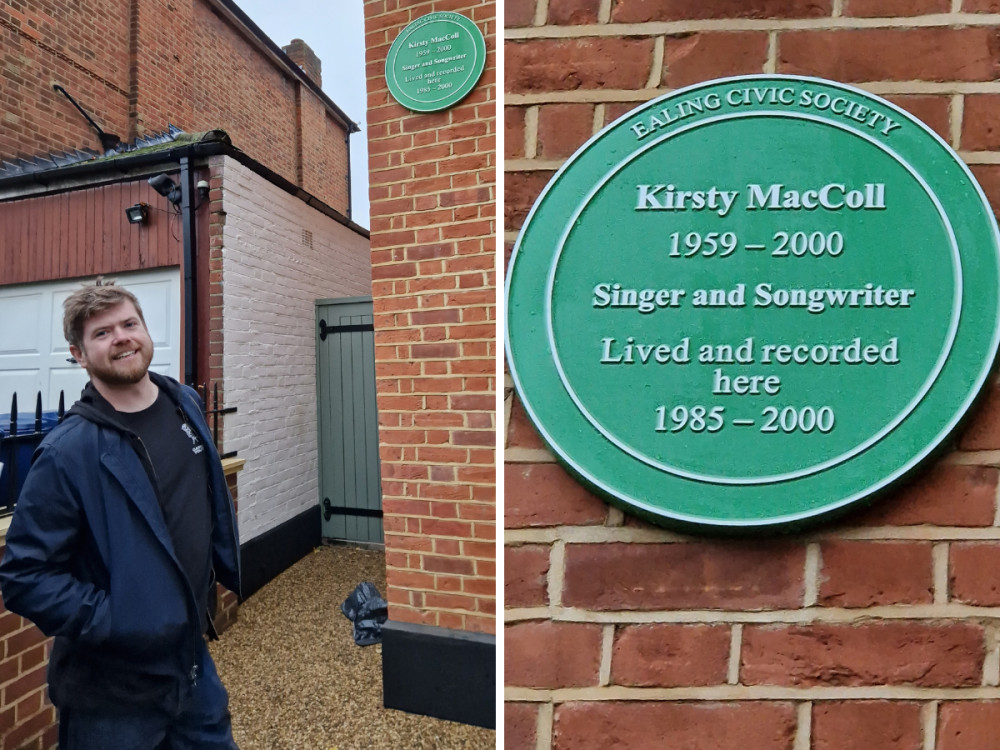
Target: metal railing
{"points": [[16, 446], [19, 439], [213, 414]]}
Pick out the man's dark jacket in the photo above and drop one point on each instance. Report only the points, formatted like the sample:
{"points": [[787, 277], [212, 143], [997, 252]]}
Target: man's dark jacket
{"points": [[89, 560]]}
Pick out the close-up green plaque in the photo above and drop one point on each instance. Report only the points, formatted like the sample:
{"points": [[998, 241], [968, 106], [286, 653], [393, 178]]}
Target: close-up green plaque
{"points": [[753, 303], [435, 61]]}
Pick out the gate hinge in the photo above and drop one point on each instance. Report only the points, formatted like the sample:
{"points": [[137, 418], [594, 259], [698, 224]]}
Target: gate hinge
{"points": [[325, 329], [330, 510]]}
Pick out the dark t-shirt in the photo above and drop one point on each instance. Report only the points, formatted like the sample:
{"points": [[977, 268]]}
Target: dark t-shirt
{"points": [[181, 466]]}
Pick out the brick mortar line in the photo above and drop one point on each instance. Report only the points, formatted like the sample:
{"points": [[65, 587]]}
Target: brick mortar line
{"points": [[541, 12], [508, 408], [657, 63], [811, 576], [387, 410], [556, 575], [410, 180], [437, 308], [531, 132], [939, 572], [617, 96], [735, 654], [466, 594], [806, 616], [986, 458], [449, 591], [432, 160], [467, 358], [748, 693], [455, 411], [991, 663], [441, 536], [552, 165], [449, 376], [803, 726], [598, 534], [470, 577], [423, 610], [607, 647], [604, 12], [425, 326], [446, 142], [956, 113], [394, 246], [439, 483], [517, 455], [413, 461], [990, 458], [545, 727], [828, 23], [928, 724]]}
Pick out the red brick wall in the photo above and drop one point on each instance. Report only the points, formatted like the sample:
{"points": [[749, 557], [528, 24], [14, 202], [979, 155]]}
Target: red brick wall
{"points": [[27, 719], [877, 632], [162, 54], [432, 179], [324, 154], [48, 40], [180, 63]]}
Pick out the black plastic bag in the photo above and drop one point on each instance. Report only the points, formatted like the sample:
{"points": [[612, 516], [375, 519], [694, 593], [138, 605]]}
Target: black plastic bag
{"points": [[366, 608]]}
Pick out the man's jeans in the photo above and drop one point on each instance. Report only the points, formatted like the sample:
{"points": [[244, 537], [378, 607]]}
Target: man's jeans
{"points": [[202, 724]]}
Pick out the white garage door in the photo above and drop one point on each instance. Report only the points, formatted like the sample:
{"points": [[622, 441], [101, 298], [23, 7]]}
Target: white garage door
{"points": [[33, 352]]}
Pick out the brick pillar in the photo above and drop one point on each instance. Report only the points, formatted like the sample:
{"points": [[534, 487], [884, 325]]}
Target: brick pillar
{"points": [[432, 179], [434, 287]]}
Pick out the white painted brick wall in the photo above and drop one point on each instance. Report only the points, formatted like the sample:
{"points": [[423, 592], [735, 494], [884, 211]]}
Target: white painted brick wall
{"points": [[271, 280]]}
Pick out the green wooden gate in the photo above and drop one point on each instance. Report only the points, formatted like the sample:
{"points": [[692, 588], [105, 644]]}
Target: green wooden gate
{"points": [[349, 479]]}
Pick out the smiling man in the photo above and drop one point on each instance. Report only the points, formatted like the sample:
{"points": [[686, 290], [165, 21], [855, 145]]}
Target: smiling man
{"points": [[122, 527]]}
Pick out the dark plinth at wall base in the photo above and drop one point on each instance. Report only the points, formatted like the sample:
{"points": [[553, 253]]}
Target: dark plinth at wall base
{"points": [[274, 551], [447, 674]]}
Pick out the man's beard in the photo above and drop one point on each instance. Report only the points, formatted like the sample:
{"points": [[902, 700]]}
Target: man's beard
{"points": [[127, 372]]}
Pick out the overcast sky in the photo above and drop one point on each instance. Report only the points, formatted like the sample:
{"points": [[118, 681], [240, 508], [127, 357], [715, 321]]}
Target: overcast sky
{"points": [[336, 33]]}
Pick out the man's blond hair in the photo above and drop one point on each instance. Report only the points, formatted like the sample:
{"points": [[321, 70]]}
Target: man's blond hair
{"points": [[90, 300]]}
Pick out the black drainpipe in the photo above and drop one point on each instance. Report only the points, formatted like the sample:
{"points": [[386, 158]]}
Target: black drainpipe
{"points": [[347, 144], [190, 287]]}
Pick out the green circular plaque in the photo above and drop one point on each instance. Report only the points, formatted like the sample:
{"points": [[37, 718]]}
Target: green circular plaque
{"points": [[435, 61], [754, 302]]}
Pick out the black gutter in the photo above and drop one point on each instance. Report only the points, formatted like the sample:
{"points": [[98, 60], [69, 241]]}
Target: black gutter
{"points": [[280, 53], [190, 274], [113, 168], [347, 145]]}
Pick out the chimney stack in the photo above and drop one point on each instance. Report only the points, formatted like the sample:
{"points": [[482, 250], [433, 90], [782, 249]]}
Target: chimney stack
{"points": [[302, 55]]}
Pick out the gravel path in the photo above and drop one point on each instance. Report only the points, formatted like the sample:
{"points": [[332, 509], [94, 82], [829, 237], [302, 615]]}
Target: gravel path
{"points": [[296, 679]]}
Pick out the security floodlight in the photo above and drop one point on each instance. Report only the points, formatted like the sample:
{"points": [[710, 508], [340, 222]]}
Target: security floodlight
{"points": [[166, 187], [138, 213]]}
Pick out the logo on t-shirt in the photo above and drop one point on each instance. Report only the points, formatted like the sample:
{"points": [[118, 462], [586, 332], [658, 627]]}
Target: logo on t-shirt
{"points": [[198, 447]]}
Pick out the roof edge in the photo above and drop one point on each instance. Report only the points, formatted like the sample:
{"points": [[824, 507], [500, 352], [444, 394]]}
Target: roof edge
{"points": [[237, 14], [88, 173]]}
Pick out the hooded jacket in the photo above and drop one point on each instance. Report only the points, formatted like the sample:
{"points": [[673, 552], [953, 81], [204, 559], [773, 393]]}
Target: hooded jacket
{"points": [[90, 561]]}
